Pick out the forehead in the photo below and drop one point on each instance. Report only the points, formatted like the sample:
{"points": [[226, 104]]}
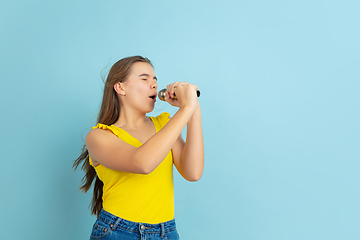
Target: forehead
{"points": [[142, 67]]}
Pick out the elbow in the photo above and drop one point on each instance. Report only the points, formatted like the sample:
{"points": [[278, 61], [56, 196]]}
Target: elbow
{"points": [[146, 168], [192, 175], [146, 171], [194, 178], [142, 167]]}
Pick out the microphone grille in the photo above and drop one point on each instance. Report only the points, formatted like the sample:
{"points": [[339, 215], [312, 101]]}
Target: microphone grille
{"points": [[161, 94]]}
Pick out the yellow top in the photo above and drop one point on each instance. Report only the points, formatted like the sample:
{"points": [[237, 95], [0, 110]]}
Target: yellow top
{"points": [[146, 198]]}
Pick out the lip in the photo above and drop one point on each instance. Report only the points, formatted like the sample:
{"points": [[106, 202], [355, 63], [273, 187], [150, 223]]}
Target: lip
{"points": [[153, 97]]}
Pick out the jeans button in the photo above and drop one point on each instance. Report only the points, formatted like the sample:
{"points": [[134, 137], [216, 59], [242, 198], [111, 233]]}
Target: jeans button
{"points": [[142, 227]]}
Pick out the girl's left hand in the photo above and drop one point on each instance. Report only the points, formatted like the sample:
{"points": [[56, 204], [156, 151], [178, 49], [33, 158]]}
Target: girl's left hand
{"points": [[170, 92]]}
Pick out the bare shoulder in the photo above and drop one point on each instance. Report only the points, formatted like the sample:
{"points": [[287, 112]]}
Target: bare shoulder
{"points": [[97, 132], [97, 136], [96, 140]]}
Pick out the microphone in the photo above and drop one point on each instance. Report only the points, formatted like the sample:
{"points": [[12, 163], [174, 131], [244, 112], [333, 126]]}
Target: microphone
{"points": [[161, 94]]}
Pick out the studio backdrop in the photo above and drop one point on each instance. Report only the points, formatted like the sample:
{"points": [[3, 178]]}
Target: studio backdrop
{"points": [[280, 103]]}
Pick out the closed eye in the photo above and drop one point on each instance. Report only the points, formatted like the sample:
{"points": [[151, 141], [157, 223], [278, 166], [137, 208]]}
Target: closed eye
{"points": [[146, 75]]}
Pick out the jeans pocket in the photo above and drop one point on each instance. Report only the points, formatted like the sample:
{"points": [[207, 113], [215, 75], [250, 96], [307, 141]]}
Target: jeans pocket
{"points": [[100, 230]]}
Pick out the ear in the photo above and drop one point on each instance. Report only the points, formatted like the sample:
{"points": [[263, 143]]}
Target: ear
{"points": [[119, 88]]}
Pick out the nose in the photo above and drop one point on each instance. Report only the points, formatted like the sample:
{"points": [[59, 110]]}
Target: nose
{"points": [[154, 84]]}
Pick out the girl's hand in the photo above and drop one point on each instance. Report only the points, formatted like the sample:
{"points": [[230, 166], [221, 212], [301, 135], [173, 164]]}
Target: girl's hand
{"points": [[169, 94], [185, 94]]}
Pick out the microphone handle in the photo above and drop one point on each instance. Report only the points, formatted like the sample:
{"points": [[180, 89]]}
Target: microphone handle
{"points": [[161, 94]]}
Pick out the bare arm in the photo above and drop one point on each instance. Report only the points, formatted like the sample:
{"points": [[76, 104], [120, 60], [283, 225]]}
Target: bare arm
{"points": [[108, 150], [189, 155]]}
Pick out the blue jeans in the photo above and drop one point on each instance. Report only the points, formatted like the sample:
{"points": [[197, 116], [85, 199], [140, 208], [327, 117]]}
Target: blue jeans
{"points": [[111, 227]]}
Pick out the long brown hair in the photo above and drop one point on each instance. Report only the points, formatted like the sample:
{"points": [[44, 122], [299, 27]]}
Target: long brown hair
{"points": [[109, 113]]}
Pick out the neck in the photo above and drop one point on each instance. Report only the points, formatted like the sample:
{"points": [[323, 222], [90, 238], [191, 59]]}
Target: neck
{"points": [[130, 118]]}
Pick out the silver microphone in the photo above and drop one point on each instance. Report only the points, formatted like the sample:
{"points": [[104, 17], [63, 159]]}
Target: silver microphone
{"points": [[161, 94]]}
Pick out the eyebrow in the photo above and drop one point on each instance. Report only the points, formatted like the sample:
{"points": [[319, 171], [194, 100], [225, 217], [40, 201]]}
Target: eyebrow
{"points": [[146, 75]]}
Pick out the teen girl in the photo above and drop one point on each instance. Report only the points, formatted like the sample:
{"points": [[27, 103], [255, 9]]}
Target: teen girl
{"points": [[131, 156]]}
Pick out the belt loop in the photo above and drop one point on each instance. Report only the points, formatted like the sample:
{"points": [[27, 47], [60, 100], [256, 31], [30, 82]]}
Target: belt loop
{"points": [[162, 230], [113, 227]]}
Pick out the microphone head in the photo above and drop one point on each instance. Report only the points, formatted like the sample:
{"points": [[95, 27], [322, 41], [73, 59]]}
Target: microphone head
{"points": [[161, 94]]}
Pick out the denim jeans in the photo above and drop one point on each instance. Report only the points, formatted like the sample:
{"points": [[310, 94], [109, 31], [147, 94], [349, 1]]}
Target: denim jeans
{"points": [[111, 227]]}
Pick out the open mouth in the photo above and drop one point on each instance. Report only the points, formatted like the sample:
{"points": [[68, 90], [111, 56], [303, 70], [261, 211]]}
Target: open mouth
{"points": [[153, 97]]}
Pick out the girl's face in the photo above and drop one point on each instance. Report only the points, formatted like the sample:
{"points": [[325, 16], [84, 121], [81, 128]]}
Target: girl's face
{"points": [[141, 87]]}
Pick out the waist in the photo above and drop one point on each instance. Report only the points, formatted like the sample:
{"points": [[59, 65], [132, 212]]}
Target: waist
{"points": [[116, 222], [144, 203]]}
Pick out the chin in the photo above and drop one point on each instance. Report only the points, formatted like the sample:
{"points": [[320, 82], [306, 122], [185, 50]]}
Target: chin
{"points": [[147, 110]]}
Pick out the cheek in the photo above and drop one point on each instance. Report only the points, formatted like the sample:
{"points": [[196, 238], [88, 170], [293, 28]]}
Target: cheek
{"points": [[143, 89]]}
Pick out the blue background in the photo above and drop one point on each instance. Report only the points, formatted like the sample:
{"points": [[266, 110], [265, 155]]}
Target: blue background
{"points": [[280, 106]]}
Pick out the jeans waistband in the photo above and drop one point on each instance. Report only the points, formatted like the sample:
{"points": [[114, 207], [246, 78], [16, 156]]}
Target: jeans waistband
{"points": [[117, 222]]}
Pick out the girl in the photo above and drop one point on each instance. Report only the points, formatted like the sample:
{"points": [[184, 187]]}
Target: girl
{"points": [[130, 156]]}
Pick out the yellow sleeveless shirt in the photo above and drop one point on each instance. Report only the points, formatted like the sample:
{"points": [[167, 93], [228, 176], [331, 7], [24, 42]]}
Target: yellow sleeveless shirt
{"points": [[146, 198]]}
